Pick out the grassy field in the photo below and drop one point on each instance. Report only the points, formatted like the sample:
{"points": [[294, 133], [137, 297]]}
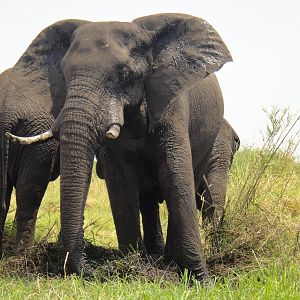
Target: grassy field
{"points": [[257, 255]]}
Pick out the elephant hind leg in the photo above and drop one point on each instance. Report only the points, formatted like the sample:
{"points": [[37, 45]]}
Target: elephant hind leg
{"points": [[123, 190], [149, 207]]}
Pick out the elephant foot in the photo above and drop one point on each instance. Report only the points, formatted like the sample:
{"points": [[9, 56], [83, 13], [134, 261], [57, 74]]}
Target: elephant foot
{"points": [[21, 248], [168, 257], [155, 249], [139, 247], [200, 276]]}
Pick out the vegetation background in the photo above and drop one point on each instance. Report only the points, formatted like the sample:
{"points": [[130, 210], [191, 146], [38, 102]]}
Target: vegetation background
{"points": [[253, 254]]}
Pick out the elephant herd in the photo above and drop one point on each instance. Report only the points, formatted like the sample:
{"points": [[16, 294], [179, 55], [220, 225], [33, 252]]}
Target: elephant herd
{"points": [[143, 98]]}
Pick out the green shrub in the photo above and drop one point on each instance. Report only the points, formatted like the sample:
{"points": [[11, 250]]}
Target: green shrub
{"points": [[262, 212]]}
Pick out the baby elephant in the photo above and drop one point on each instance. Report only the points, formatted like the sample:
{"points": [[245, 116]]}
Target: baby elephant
{"points": [[211, 191], [210, 195]]}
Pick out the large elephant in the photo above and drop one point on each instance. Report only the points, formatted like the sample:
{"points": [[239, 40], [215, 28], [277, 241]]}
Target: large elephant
{"points": [[25, 110], [210, 191], [109, 69]]}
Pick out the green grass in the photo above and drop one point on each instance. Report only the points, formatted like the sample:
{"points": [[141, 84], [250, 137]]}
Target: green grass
{"points": [[257, 255], [272, 282]]}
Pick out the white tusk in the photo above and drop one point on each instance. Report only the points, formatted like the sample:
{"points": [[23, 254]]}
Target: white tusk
{"points": [[31, 139], [113, 132]]}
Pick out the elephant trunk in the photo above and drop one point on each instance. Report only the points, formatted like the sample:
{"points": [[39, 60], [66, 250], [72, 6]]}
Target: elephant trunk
{"points": [[77, 143], [82, 125]]}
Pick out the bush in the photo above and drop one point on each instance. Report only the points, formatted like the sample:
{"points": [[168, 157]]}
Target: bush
{"points": [[262, 212]]}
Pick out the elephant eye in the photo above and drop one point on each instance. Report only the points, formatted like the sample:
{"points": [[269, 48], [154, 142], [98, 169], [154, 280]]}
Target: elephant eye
{"points": [[125, 75]]}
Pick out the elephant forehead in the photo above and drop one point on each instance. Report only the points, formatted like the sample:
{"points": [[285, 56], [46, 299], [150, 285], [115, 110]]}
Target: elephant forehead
{"points": [[108, 32]]}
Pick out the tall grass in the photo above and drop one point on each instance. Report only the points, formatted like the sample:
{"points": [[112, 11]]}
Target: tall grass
{"points": [[262, 212]]}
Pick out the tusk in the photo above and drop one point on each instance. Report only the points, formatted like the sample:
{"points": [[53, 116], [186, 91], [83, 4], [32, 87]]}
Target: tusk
{"points": [[113, 132], [31, 139]]}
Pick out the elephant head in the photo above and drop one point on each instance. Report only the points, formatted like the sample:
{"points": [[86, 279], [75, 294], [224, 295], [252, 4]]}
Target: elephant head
{"points": [[102, 68]]}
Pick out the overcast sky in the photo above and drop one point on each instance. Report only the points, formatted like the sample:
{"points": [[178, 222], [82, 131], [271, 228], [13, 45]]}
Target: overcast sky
{"points": [[263, 37]]}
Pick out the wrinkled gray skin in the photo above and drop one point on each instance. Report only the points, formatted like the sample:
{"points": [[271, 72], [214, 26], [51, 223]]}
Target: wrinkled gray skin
{"points": [[26, 168], [210, 194], [109, 68]]}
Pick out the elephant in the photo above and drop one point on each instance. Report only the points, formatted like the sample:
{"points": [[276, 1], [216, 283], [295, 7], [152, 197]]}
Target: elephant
{"points": [[25, 110], [210, 191], [143, 97]]}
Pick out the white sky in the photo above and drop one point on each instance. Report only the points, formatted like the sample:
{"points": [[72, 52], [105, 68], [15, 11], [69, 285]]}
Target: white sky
{"points": [[263, 37]]}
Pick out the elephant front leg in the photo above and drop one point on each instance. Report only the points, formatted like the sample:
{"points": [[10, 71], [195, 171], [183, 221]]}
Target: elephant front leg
{"points": [[29, 197], [122, 185], [204, 201], [32, 181], [177, 183], [217, 184]]}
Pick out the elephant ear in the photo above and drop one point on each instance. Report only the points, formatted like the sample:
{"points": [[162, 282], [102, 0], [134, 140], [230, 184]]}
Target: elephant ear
{"points": [[37, 74], [185, 49]]}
